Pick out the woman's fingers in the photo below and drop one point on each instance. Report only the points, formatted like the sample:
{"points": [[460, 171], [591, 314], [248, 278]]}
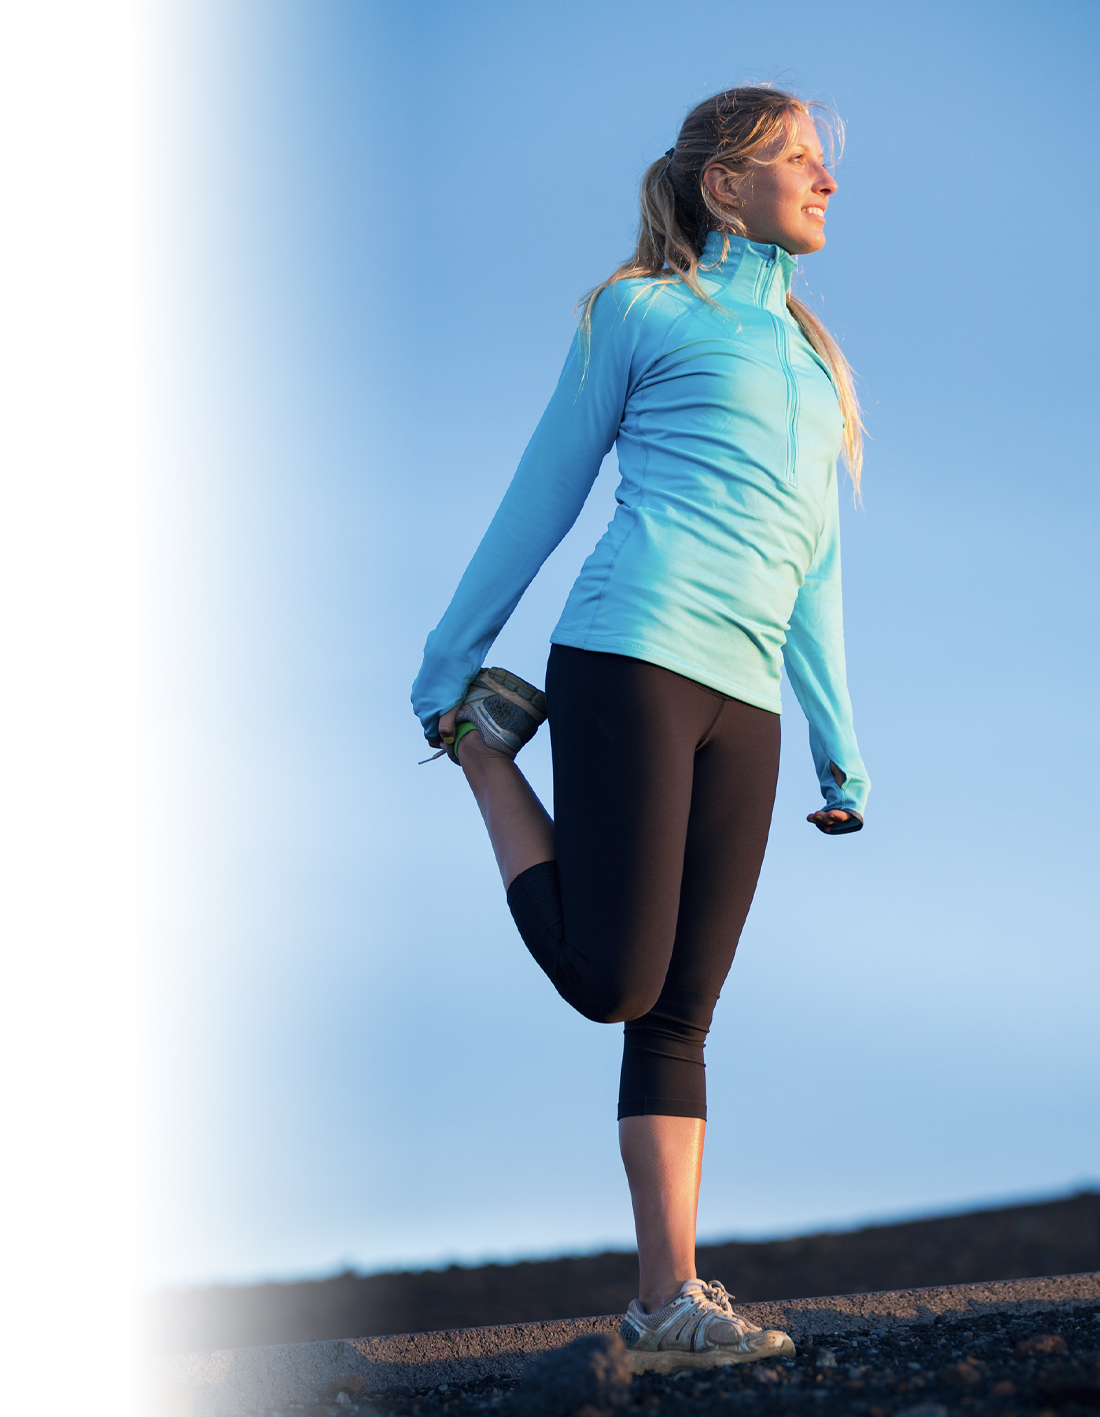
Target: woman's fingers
{"points": [[826, 819], [446, 731], [835, 821]]}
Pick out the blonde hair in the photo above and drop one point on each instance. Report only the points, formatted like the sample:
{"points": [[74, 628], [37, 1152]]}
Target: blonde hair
{"points": [[738, 129]]}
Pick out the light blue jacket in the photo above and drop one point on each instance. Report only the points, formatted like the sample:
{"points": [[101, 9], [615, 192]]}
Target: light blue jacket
{"points": [[722, 561]]}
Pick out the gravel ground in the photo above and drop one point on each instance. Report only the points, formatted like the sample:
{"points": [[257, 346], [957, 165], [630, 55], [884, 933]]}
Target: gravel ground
{"points": [[1045, 1365]]}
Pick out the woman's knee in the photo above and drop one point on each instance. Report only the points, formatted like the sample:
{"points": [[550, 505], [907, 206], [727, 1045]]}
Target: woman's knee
{"points": [[612, 1000]]}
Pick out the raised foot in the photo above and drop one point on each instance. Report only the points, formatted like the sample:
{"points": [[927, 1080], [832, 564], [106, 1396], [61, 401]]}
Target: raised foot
{"points": [[505, 710]]}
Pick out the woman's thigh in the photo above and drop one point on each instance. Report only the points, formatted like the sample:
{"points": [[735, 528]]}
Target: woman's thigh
{"points": [[624, 736]]}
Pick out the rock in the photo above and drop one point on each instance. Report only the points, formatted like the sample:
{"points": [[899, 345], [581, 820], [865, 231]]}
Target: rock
{"points": [[824, 1358], [964, 1374], [592, 1372], [924, 1409], [1043, 1343], [351, 1386]]}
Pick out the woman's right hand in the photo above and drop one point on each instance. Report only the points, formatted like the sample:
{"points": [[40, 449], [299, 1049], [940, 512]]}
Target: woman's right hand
{"points": [[446, 729]]}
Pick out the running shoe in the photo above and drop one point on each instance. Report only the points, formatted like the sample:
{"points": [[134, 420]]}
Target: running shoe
{"points": [[504, 709], [698, 1329]]}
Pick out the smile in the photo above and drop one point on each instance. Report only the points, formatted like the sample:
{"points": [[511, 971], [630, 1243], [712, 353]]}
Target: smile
{"points": [[815, 211]]}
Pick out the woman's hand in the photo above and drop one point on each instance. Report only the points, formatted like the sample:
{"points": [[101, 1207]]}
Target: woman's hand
{"points": [[834, 821], [446, 728], [829, 819]]}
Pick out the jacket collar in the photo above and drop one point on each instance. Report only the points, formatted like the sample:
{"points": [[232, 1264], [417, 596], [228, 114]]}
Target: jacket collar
{"points": [[758, 274]]}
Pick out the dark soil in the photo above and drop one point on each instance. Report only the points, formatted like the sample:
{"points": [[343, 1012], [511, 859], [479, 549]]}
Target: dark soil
{"points": [[1016, 1242], [1045, 1365]]}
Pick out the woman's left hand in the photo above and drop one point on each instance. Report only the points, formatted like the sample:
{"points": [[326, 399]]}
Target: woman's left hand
{"points": [[834, 821]]}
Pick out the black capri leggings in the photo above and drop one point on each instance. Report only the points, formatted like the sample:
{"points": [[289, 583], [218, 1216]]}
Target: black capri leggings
{"points": [[663, 793]]}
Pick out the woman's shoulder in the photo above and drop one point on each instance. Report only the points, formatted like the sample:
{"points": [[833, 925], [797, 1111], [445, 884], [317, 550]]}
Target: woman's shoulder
{"points": [[634, 304], [637, 296]]}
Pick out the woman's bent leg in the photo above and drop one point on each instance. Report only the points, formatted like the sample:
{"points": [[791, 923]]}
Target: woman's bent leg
{"points": [[519, 827], [601, 921]]}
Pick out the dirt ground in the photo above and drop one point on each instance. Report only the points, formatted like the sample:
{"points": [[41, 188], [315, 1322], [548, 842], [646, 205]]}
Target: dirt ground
{"points": [[1016, 1242], [1043, 1365]]}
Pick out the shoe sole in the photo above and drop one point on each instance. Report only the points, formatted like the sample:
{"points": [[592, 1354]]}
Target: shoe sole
{"points": [[667, 1360], [524, 695], [500, 737]]}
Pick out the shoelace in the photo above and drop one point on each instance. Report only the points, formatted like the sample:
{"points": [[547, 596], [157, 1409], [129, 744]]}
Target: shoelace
{"points": [[432, 759], [716, 1292]]}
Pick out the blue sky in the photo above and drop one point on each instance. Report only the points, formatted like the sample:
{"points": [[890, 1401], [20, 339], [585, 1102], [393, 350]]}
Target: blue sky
{"points": [[373, 223]]}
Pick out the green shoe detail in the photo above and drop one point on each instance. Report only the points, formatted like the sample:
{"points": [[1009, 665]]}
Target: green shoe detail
{"points": [[460, 733]]}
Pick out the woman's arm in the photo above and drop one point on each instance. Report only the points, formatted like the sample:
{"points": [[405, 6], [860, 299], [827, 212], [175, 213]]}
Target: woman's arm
{"points": [[544, 499], [814, 657]]}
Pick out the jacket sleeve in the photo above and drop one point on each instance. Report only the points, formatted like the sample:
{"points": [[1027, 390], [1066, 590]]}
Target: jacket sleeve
{"points": [[544, 499], [814, 657]]}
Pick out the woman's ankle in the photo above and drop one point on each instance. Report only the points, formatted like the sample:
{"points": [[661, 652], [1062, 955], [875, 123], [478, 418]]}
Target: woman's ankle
{"points": [[473, 752], [470, 746], [659, 1295]]}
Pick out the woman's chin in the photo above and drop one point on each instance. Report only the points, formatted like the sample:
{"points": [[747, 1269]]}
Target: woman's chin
{"points": [[804, 243], [813, 241]]}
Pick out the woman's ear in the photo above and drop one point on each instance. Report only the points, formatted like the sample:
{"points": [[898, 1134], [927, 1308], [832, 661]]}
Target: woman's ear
{"points": [[722, 184]]}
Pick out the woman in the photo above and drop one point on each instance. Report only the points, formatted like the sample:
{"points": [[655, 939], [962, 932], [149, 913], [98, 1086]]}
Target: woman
{"points": [[729, 405]]}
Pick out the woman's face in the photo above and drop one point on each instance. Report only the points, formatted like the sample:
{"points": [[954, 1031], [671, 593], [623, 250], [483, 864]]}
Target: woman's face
{"points": [[783, 203]]}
